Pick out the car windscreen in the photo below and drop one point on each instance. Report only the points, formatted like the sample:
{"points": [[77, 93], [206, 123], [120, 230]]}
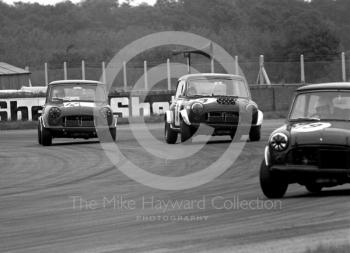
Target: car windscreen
{"points": [[322, 105], [77, 92], [217, 87]]}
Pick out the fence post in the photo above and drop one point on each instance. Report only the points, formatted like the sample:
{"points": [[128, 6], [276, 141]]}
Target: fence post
{"points": [[262, 72], [302, 69], [65, 70], [236, 65], [145, 74], [125, 80], [343, 67], [188, 64], [46, 74], [104, 79], [261, 65], [168, 73], [212, 64], [83, 69]]}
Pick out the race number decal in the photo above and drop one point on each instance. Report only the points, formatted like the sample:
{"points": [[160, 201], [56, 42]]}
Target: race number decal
{"points": [[310, 127]]}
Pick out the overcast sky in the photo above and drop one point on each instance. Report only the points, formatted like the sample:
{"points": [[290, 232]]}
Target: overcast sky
{"points": [[52, 2]]}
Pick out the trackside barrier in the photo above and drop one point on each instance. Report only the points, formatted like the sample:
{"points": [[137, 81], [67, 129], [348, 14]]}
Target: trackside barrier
{"points": [[25, 106]]}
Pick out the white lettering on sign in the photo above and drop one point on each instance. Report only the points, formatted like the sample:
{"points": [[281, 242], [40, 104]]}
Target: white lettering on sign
{"points": [[20, 108], [120, 106], [124, 108], [28, 108]]}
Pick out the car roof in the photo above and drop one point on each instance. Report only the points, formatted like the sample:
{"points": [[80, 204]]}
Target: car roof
{"points": [[326, 86], [63, 82], [210, 75]]}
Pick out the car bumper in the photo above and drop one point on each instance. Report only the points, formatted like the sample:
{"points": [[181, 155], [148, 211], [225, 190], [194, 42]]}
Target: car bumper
{"points": [[78, 132], [79, 129]]}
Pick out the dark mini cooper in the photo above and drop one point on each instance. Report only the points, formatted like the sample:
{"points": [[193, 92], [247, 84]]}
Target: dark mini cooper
{"points": [[220, 101], [313, 147], [76, 109]]}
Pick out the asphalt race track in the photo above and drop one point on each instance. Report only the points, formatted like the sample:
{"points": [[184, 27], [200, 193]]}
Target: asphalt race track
{"points": [[41, 190]]}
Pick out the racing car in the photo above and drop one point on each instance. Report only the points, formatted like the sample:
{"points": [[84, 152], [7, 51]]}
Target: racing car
{"points": [[76, 109], [313, 147], [221, 101]]}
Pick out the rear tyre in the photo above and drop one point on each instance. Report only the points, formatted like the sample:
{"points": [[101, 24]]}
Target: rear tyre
{"points": [[271, 185], [185, 131], [313, 188], [46, 136], [170, 135], [255, 133], [39, 134]]}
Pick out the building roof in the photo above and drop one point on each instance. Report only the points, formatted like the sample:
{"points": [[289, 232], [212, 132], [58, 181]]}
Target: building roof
{"points": [[75, 82], [7, 69], [326, 86]]}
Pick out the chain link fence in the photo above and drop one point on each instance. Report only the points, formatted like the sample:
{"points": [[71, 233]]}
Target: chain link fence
{"points": [[278, 72]]}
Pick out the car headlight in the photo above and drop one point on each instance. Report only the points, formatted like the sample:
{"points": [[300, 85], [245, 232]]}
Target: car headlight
{"points": [[197, 108], [279, 142], [54, 113]]}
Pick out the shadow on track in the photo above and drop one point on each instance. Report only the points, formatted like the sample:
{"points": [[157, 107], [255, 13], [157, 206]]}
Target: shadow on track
{"points": [[75, 143], [324, 193]]}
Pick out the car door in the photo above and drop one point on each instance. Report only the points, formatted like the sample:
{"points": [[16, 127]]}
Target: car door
{"points": [[178, 101]]}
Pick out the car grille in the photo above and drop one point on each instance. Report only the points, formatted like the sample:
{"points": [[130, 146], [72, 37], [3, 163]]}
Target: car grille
{"points": [[226, 100], [222, 117], [78, 121], [323, 157]]}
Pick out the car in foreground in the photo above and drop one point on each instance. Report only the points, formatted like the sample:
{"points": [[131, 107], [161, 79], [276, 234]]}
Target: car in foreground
{"points": [[313, 147], [76, 109], [221, 101]]}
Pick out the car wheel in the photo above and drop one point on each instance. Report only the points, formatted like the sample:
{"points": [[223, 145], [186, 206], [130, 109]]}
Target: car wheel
{"points": [[113, 132], [271, 185], [313, 188], [236, 134], [255, 133], [39, 134], [46, 136], [170, 135], [107, 135], [185, 131]]}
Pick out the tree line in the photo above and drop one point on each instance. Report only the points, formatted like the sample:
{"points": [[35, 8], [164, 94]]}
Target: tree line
{"points": [[31, 34]]}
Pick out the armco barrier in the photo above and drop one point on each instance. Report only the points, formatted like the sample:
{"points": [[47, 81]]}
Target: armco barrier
{"points": [[25, 106]]}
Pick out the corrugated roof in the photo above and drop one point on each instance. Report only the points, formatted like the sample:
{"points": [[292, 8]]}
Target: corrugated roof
{"points": [[7, 69]]}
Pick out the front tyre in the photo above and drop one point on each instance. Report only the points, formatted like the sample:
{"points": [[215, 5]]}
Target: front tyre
{"points": [[107, 135], [170, 135], [271, 185], [185, 131], [39, 134], [46, 136], [113, 132], [255, 133], [313, 188]]}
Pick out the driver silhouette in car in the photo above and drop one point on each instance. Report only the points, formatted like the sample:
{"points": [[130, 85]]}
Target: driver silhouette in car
{"points": [[325, 107], [58, 93]]}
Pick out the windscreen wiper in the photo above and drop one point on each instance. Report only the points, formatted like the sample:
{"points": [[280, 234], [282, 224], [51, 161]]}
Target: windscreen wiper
{"points": [[305, 119]]}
